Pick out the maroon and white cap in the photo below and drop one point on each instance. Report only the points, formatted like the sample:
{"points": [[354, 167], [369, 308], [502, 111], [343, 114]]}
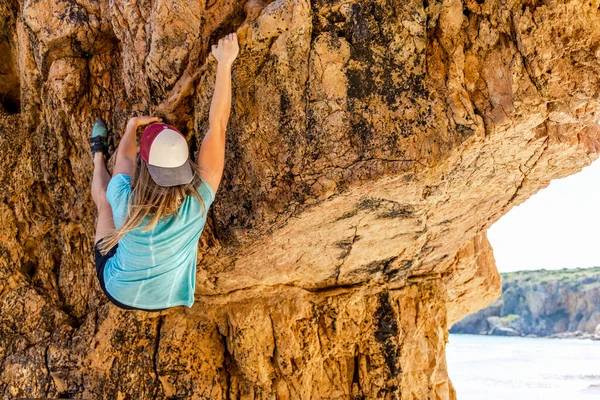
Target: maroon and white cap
{"points": [[165, 150]]}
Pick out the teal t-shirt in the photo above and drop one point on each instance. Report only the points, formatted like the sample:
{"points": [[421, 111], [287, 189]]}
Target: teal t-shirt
{"points": [[155, 269]]}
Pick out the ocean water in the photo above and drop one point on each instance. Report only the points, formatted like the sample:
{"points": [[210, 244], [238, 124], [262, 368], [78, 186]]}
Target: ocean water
{"points": [[509, 368]]}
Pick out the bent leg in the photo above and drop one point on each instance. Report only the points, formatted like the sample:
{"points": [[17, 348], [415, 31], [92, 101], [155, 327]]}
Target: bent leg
{"points": [[100, 180]]}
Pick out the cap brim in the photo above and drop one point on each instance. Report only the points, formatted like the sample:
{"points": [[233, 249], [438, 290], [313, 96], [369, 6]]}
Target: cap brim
{"points": [[167, 177]]}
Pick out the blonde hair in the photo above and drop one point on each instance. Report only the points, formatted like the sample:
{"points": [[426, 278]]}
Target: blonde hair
{"points": [[148, 198]]}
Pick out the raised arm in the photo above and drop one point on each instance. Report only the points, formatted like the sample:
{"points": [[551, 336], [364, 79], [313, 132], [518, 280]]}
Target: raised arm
{"points": [[127, 150], [211, 158]]}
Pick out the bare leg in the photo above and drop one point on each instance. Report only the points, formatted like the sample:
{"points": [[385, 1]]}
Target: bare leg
{"points": [[100, 181]]}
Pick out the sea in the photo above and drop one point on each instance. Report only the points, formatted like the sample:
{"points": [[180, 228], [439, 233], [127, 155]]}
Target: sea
{"points": [[515, 368]]}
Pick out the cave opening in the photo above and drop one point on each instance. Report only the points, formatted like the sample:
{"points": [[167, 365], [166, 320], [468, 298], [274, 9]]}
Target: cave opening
{"points": [[10, 84], [11, 104], [546, 253]]}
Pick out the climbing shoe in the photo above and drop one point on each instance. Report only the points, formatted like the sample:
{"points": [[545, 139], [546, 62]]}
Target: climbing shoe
{"points": [[99, 139]]}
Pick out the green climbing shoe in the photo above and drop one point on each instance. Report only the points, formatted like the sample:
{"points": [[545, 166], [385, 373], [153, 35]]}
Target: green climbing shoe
{"points": [[99, 139]]}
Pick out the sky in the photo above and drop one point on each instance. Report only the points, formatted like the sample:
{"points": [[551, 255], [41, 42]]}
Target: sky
{"points": [[558, 227]]}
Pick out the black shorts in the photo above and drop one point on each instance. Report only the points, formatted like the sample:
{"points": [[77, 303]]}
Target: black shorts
{"points": [[100, 263]]}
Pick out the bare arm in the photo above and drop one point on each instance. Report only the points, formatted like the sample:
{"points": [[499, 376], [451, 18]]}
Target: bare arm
{"points": [[211, 158], [127, 150]]}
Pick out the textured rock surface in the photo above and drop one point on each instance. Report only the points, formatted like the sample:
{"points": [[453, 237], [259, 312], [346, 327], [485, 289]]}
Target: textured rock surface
{"points": [[371, 145], [563, 303]]}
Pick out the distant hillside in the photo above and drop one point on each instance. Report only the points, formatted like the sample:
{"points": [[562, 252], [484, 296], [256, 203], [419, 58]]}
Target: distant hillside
{"points": [[558, 303]]}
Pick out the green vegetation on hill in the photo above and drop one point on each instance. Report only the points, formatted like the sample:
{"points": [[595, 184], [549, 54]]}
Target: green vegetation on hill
{"points": [[578, 277], [509, 318]]}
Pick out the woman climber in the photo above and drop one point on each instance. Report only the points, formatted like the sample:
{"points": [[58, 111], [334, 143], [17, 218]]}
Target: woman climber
{"points": [[152, 210]]}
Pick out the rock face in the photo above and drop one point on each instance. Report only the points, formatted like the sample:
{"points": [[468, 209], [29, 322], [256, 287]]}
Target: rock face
{"points": [[371, 144], [563, 303]]}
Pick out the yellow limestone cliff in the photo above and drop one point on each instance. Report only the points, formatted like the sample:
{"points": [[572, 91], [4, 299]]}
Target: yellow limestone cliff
{"points": [[371, 144]]}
